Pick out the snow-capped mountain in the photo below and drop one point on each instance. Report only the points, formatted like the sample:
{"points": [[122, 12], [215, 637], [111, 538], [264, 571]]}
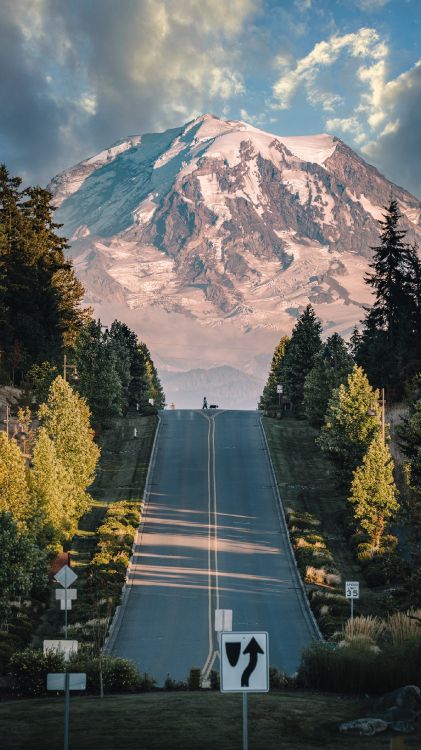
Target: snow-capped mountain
{"points": [[210, 238]]}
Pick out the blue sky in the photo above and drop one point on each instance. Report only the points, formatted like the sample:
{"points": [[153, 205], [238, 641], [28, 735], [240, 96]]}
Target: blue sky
{"points": [[77, 76]]}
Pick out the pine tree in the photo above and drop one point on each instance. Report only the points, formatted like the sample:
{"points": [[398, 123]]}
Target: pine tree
{"points": [[373, 491], [14, 496], [332, 366], [348, 428], [270, 397], [300, 355], [42, 296], [155, 390], [98, 374], [389, 348], [66, 418]]}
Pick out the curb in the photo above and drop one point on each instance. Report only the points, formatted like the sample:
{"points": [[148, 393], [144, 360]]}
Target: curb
{"points": [[305, 604], [125, 591]]}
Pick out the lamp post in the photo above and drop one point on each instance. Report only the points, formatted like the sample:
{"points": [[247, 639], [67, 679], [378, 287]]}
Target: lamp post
{"points": [[371, 412], [66, 367]]}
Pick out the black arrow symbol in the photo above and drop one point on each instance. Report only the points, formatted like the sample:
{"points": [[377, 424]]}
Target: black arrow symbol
{"points": [[253, 649]]}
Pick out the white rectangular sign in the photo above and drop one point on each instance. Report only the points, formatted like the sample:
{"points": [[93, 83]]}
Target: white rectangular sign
{"points": [[244, 662], [279, 388], [223, 620], [352, 589], [57, 681], [61, 646], [66, 605], [69, 594]]}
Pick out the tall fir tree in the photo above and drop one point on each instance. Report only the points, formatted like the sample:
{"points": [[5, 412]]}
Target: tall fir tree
{"points": [[332, 366], [270, 397], [299, 356], [349, 425], [41, 299], [155, 389], [99, 379], [389, 348], [373, 491]]}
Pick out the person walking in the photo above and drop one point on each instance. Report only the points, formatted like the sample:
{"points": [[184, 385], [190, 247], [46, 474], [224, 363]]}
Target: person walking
{"points": [[205, 403]]}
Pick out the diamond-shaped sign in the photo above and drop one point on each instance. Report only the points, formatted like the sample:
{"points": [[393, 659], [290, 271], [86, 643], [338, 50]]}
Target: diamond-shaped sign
{"points": [[65, 576]]}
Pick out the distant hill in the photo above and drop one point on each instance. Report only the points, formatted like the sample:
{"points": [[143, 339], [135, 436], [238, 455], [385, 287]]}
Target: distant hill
{"points": [[226, 386]]}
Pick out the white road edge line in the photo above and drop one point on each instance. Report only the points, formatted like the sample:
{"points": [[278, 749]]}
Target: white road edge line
{"points": [[120, 609], [305, 605]]}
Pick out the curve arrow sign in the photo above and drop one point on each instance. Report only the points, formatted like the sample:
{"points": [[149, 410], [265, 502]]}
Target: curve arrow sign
{"points": [[253, 649]]}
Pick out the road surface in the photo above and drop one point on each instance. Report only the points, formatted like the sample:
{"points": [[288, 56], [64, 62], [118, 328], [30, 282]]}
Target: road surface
{"points": [[212, 537]]}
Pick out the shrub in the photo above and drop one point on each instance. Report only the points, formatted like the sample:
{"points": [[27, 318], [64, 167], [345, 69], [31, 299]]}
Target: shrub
{"points": [[214, 680], [28, 671], [359, 667], [194, 679], [277, 679], [400, 627], [119, 675], [359, 628]]}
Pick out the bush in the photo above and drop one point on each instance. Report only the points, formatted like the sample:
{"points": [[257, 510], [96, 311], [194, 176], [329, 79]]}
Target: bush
{"points": [[359, 667], [119, 675], [28, 671], [277, 679], [194, 679]]}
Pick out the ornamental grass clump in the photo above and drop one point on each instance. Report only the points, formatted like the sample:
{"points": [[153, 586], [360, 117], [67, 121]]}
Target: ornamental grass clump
{"points": [[403, 626], [363, 628]]}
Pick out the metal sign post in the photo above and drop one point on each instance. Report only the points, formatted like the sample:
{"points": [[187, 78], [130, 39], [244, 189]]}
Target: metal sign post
{"points": [[65, 577], [244, 667], [279, 391], [352, 591]]}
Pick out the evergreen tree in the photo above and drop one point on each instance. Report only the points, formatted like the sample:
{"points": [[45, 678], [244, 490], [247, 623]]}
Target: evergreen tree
{"points": [[373, 491], [332, 365], [348, 428], [14, 497], [155, 390], [389, 348], [54, 498], [22, 565], [41, 296], [66, 418], [299, 356], [270, 397], [124, 344], [98, 373]]}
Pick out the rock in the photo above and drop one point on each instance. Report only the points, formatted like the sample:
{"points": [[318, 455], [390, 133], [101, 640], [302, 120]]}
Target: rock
{"points": [[397, 713], [408, 697], [366, 726], [403, 727]]}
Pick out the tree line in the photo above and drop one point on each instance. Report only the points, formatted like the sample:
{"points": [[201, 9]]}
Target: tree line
{"points": [[76, 374], [337, 386]]}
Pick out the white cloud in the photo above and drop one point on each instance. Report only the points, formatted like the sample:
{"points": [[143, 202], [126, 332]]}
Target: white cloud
{"points": [[370, 5], [365, 43], [91, 72]]}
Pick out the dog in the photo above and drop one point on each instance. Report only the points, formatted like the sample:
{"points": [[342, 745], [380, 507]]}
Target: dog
{"points": [[213, 406]]}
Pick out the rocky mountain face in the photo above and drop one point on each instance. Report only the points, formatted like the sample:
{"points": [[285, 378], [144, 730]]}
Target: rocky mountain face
{"points": [[210, 238]]}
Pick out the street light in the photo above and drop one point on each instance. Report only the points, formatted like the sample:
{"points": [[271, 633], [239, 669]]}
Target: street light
{"points": [[66, 367], [371, 412]]}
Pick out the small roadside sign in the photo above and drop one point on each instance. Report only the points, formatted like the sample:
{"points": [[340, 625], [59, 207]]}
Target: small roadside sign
{"points": [[279, 388], [244, 662], [65, 576], [61, 646], [352, 589], [223, 620], [57, 681], [70, 594]]}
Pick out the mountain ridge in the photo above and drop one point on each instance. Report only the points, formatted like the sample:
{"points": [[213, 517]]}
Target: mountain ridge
{"points": [[225, 232]]}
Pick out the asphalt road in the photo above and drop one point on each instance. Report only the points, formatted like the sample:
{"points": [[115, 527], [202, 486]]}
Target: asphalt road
{"points": [[212, 537]]}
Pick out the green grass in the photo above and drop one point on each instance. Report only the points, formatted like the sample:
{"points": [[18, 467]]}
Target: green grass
{"points": [[307, 482], [188, 721]]}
